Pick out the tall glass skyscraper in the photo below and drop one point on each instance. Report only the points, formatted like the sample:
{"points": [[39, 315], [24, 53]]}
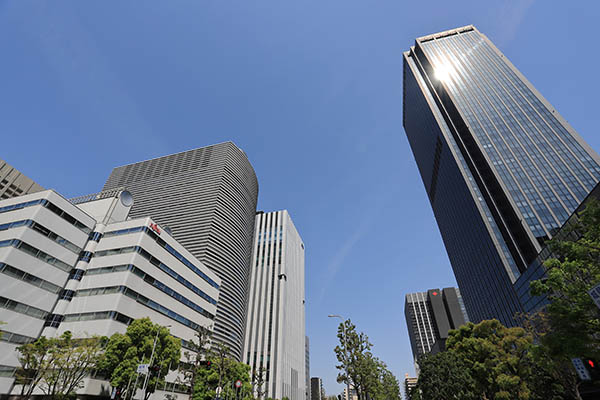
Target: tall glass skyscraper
{"points": [[503, 170], [207, 197]]}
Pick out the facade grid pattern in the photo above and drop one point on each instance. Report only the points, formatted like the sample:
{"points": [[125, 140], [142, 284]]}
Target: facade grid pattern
{"points": [[207, 198], [509, 172]]}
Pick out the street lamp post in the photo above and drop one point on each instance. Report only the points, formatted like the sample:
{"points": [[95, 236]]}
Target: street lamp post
{"points": [[345, 352], [150, 363]]}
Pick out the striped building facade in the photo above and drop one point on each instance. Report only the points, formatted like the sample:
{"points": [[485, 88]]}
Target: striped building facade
{"points": [[275, 334], [207, 198]]}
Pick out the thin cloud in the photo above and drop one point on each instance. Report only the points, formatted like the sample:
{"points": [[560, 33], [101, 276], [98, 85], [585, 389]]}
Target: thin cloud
{"points": [[509, 19]]}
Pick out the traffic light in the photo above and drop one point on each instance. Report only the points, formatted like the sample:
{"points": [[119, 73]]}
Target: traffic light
{"points": [[205, 363], [593, 367], [155, 369]]}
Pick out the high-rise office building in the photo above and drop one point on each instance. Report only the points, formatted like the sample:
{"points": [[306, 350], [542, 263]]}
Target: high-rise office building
{"points": [[429, 316], [207, 198], [275, 330], [316, 388], [502, 169], [13, 183]]}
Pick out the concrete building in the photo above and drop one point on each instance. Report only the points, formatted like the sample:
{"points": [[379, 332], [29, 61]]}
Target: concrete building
{"points": [[275, 334], [316, 388], [429, 316], [82, 266], [502, 169], [207, 197], [13, 183], [353, 394], [409, 384]]}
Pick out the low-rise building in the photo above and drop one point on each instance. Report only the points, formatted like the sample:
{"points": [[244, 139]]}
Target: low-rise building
{"points": [[316, 388], [82, 266], [409, 384]]}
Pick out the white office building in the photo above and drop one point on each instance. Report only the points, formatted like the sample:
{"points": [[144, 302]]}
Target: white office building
{"points": [[275, 328], [82, 266]]}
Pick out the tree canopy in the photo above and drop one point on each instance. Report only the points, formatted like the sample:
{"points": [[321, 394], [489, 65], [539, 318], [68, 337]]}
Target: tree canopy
{"points": [[367, 374], [124, 352], [222, 371], [489, 361], [57, 366], [568, 326]]}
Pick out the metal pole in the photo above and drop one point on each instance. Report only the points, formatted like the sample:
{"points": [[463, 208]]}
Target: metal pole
{"points": [[347, 361], [165, 388], [128, 383], [150, 365], [134, 387], [157, 379]]}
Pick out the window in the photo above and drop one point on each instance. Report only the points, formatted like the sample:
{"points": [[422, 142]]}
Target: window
{"points": [[76, 274], [54, 320], [66, 294]]}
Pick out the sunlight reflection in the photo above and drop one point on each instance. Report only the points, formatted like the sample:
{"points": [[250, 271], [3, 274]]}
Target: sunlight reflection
{"points": [[444, 71]]}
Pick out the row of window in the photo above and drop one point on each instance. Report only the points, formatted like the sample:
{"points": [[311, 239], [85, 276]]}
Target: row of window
{"points": [[31, 279], [154, 282], [47, 258], [22, 308], [140, 299], [43, 231], [15, 338], [7, 371], [167, 247], [156, 262], [90, 316], [45, 203]]}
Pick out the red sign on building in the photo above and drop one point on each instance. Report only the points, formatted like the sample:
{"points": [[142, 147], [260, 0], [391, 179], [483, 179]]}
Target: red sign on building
{"points": [[155, 228]]}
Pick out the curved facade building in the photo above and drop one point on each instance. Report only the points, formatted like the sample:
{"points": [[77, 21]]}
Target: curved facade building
{"points": [[207, 197]]}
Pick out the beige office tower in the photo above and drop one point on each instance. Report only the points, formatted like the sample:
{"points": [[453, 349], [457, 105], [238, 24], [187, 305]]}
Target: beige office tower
{"points": [[13, 183]]}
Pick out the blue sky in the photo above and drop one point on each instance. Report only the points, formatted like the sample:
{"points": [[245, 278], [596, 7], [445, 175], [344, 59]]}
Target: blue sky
{"points": [[310, 90]]}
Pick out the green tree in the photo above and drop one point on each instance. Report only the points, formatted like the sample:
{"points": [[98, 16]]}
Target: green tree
{"points": [[367, 374], [199, 351], [36, 359], [57, 366], [571, 321], [499, 358], [124, 352], [222, 372], [351, 353], [390, 387], [444, 376]]}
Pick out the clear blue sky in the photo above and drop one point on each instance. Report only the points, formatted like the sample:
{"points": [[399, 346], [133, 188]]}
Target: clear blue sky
{"points": [[311, 90]]}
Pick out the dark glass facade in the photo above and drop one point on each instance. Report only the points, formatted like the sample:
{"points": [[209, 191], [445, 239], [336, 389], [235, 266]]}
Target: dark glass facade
{"points": [[502, 168]]}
